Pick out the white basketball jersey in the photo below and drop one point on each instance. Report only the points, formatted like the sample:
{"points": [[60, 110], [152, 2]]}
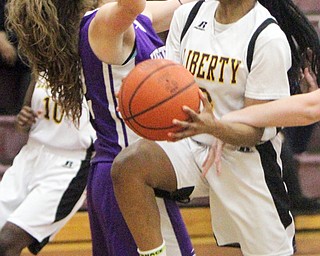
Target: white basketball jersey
{"points": [[52, 128], [216, 55]]}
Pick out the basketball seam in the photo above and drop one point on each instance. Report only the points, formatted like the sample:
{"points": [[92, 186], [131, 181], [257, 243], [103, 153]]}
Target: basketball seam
{"points": [[142, 82], [155, 106], [136, 111]]}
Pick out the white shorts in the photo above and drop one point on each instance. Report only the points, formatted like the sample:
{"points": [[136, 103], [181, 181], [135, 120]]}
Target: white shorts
{"points": [[248, 200], [43, 189]]}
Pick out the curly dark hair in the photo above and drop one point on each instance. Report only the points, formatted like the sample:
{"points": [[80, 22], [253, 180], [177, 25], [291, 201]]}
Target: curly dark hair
{"points": [[47, 33]]}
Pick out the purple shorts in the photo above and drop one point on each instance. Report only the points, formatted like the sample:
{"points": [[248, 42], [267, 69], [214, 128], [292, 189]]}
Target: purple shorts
{"points": [[110, 234]]}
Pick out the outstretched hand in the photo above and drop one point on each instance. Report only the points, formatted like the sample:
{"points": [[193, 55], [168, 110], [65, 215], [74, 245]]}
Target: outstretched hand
{"points": [[308, 79], [197, 123], [308, 82]]}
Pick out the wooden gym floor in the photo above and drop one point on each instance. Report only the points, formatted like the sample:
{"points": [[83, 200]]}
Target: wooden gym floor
{"points": [[74, 238]]}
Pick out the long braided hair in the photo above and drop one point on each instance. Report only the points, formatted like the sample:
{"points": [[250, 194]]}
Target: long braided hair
{"points": [[47, 32], [301, 36]]}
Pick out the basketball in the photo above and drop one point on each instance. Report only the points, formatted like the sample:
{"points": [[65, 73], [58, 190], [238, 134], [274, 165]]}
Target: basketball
{"points": [[152, 95]]}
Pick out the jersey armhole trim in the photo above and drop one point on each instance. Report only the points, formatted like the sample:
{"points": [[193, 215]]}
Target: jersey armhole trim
{"points": [[191, 16], [132, 54], [253, 40]]}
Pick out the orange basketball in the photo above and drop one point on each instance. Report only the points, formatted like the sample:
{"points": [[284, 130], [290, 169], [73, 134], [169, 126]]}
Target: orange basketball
{"points": [[153, 94]]}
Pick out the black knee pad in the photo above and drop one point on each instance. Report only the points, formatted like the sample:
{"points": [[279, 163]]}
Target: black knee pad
{"points": [[181, 195]]}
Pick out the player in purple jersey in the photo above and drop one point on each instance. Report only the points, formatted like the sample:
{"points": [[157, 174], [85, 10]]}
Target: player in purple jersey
{"points": [[108, 54], [113, 39]]}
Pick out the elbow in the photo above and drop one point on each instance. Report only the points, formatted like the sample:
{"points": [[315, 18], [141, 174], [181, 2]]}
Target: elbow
{"points": [[252, 143], [135, 9], [309, 108], [256, 137], [311, 117], [311, 113]]}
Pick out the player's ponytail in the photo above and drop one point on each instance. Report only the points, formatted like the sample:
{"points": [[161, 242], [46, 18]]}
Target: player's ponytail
{"points": [[47, 32], [300, 33]]}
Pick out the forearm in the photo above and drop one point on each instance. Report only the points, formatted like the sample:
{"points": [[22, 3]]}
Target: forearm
{"points": [[295, 110], [26, 117], [28, 96], [115, 17], [7, 50], [3, 38], [135, 7], [112, 28], [236, 133], [161, 19]]}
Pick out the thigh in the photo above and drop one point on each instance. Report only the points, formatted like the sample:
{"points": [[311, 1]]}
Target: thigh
{"points": [[13, 236], [54, 194], [13, 186], [249, 203], [186, 157], [143, 163]]}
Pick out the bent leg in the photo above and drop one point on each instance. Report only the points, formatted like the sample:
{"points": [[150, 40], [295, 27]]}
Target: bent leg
{"points": [[136, 171], [13, 240]]}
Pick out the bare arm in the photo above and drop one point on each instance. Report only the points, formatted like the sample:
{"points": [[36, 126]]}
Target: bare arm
{"points": [[111, 33], [8, 52], [237, 134], [112, 27], [297, 110], [26, 117], [232, 133], [29, 93], [161, 12]]}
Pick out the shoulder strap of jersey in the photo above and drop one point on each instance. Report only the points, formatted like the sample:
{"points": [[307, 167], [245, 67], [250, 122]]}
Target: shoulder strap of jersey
{"points": [[252, 42], [191, 17]]}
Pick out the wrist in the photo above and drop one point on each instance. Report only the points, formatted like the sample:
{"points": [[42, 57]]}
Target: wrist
{"points": [[216, 128]]}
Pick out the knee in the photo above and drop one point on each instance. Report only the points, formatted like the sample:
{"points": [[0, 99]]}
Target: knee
{"points": [[13, 240], [7, 244], [130, 164]]}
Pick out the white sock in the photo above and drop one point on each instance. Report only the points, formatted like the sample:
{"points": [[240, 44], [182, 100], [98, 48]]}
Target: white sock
{"points": [[159, 251]]}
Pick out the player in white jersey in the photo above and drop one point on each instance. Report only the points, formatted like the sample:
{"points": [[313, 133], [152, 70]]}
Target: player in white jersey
{"points": [[45, 186], [112, 40], [248, 199]]}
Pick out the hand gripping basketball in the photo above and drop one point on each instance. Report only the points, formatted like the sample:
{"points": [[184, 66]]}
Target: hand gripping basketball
{"points": [[153, 94]]}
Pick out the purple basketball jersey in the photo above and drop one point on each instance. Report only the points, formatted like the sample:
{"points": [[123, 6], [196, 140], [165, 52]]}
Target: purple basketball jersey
{"points": [[103, 82], [110, 234]]}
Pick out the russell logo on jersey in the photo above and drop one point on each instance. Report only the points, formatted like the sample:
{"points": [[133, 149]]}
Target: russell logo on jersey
{"points": [[202, 25], [68, 164]]}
